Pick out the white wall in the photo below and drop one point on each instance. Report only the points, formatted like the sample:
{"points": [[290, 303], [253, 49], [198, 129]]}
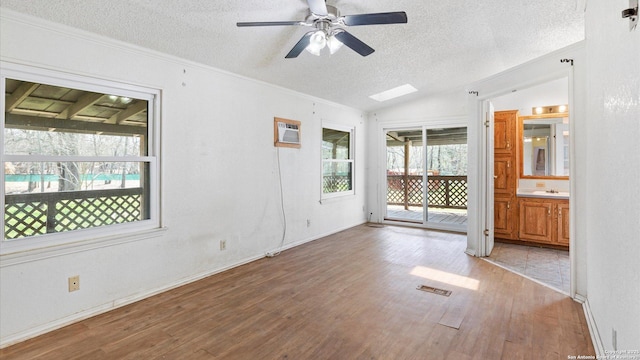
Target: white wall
{"points": [[220, 180], [554, 92], [612, 209], [431, 108]]}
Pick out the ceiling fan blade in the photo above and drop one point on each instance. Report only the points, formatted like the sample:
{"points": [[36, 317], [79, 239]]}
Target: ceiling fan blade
{"points": [[269, 23], [398, 17], [300, 46], [354, 43], [318, 7]]}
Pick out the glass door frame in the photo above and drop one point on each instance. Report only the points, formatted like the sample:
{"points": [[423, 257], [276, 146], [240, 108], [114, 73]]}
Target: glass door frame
{"points": [[382, 191], [386, 182]]}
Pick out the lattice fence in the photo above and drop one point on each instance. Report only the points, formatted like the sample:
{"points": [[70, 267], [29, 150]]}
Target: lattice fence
{"points": [[443, 191], [40, 213], [331, 184], [25, 218]]}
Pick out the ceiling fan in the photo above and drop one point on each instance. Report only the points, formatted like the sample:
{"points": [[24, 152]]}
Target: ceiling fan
{"points": [[329, 29]]}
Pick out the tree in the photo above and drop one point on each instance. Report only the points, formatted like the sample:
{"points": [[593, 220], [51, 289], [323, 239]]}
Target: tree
{"points": [[72, 175]]}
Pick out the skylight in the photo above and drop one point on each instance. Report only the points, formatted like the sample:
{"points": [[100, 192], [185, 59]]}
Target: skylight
{"points": [[394, 93]]}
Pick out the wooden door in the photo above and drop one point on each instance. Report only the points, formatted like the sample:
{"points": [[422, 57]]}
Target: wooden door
{"points": [[563, 223], [535, 220]]}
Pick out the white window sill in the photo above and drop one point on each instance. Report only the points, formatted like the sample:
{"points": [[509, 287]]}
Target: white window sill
{"points": [[329, 198], [20, 257]]}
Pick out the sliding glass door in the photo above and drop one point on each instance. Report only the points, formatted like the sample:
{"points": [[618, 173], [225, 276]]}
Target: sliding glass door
{"points": [[426, 176], [405, 172], [447, 176]]}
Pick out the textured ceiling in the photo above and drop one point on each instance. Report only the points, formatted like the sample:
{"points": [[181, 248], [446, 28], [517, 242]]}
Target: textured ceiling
{"points": [[444, 45]]}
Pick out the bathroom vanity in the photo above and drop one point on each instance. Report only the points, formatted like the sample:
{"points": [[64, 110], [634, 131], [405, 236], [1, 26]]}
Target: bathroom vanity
{"points": [[543, 219]]}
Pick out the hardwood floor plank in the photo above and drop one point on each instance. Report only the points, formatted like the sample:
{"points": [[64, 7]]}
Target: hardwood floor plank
{"points": [[511, 351], [455, 355], [351, 295], [453, 316]]}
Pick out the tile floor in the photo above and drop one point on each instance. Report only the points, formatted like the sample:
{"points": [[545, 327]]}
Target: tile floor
{"points": [[548, 266]]}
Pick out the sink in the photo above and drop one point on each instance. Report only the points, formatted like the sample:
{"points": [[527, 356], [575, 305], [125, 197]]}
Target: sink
{"points": [[542, 193]]}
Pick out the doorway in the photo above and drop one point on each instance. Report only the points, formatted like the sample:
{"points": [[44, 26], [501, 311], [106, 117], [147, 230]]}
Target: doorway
{"points": [[537, 161], [426, 176]]}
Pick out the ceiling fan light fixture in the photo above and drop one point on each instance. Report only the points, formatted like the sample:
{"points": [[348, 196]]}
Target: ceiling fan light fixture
{"points": [[315, 51], [333, 44], [317, 42], [327, 28]]}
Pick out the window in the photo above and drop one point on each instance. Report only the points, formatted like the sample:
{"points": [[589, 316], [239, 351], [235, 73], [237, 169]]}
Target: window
{"points": [[337, 161], [79, 158]]}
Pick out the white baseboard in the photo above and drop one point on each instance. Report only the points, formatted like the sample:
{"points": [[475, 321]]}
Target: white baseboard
{"points": [[313, 238], [593, 329], [68, 320]]}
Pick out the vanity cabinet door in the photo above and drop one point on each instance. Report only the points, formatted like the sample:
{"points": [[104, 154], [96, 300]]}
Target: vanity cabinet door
{"points": [[536, 220], [503, 175], [504, 129], [563, 223], [504, 218]]}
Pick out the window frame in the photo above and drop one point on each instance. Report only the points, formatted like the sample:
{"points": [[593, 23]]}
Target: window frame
{"points": [[101, 235], [351, 130]]}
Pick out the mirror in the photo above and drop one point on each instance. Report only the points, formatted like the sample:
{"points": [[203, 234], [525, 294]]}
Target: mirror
{"points": [[544, 146]]}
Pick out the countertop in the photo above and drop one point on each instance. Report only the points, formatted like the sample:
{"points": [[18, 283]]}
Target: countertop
{"points": [[542, 194]]}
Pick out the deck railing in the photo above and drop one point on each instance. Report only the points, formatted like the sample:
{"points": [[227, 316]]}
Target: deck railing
{"points": [[443, 191], [40, 213]]}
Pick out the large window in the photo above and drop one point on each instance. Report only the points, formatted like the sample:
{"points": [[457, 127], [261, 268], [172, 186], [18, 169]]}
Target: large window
{"points": [[337, 161], [76, 159]]}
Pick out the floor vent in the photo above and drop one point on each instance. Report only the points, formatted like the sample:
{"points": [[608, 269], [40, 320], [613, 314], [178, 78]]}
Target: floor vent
{"points": [[434, 290]]}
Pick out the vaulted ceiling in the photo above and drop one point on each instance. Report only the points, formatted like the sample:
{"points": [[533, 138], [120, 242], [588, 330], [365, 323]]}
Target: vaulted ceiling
{"points": [[444, 45]]}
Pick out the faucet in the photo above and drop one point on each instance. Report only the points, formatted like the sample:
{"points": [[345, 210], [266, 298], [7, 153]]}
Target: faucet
{"points": [[552, 191]]}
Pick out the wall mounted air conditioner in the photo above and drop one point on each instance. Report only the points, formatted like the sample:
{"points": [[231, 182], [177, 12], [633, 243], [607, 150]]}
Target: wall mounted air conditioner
{"points": [[286, 133]]}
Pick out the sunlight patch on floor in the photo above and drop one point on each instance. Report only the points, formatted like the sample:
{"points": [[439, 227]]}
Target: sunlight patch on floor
{"points": [[445, 277]]}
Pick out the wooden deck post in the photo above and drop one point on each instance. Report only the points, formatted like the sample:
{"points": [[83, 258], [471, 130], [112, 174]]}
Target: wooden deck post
{"points": [[407, 146]]}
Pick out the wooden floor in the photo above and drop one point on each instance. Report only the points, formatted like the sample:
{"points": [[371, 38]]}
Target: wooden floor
{"points": [[351, 295]]}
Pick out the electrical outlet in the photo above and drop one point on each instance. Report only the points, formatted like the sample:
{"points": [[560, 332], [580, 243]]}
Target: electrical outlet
{"points": [[74, 283], [223, 244], [541, 184], [308, 222]]}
